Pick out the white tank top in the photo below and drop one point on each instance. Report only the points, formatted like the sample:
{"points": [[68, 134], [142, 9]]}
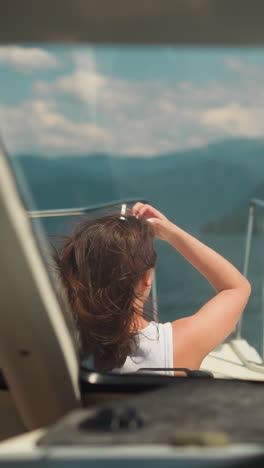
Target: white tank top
{"points": [[154, 349]]}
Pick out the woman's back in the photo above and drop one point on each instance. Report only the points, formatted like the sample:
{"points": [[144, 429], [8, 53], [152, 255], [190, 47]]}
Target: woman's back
{"points": [[153, 348]]}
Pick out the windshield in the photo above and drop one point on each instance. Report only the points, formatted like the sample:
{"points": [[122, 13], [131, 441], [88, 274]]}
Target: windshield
{"points": [[180, 127]]}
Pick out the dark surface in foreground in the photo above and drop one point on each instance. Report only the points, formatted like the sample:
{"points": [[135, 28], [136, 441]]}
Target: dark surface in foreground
{"points": [[230, 407]]}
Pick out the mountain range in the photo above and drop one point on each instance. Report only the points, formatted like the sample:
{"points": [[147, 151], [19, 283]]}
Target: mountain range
{"points": [[206, 188]]}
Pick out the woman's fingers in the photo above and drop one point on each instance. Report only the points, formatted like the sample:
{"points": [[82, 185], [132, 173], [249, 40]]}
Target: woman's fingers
{"points": [[158, 221], [136, 208], [146, 211]]}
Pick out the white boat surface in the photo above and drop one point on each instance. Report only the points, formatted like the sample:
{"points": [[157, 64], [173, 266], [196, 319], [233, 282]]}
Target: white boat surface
{"points": [[235, 359]]}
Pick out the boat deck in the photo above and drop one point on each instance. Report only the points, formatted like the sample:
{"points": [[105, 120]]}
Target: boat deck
{"points": [[235, 359]]}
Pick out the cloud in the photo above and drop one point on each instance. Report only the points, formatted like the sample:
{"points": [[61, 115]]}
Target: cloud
{"points": [[233, 63], [90, 87], [245, 71], [27, 59], [37, 125], [82, 85], [139, 118], [236, 120]]}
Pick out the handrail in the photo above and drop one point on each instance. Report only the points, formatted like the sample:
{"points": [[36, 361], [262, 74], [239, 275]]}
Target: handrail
{"points": [[82, 210], [253, 204], [89, 209]]}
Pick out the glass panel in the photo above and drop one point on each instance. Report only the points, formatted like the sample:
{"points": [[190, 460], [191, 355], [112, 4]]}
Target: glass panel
{"points": [[180, 127]]}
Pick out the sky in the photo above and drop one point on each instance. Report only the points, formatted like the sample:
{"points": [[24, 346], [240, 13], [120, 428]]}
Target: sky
{"points": [[128, 101]]}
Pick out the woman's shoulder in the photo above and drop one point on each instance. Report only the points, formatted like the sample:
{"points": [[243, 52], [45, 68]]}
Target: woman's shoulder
{"points": [[155, 328]]}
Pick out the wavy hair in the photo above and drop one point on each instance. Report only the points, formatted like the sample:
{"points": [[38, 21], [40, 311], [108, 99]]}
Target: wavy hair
{"points": [[100, 265]]}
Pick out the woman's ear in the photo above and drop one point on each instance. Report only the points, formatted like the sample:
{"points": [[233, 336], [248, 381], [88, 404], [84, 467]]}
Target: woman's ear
{"points": [[147, 278]]}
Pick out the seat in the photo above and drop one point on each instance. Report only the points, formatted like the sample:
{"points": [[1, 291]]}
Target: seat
{"points": [[37, 353]]}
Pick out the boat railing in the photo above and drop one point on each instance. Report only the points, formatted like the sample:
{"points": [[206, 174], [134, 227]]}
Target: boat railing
{"points": [[121, 205], [253, 204]]}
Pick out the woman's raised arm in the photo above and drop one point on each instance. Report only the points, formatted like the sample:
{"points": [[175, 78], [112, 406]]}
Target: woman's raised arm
{"points": [[197, 335]]}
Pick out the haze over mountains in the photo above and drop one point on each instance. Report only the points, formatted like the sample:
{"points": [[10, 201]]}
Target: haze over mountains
{"points": [[196, 188]]}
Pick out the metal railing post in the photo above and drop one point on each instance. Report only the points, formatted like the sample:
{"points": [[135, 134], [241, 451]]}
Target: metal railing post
{"points": [[154, 298], [247, 255], [262, 307]]}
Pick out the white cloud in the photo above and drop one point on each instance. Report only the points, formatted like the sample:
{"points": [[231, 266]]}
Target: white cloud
{"points": [[233, 63], [122, 116], [84, 84], [245, 71], [37, 124], [27, 59], [236, 120], [81, 84]]}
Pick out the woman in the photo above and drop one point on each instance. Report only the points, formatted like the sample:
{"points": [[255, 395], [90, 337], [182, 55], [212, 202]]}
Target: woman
{"points": [[107, 268]]}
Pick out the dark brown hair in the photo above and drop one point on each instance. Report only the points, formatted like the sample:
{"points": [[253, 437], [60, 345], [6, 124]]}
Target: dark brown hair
{"points": [[100, 265]]}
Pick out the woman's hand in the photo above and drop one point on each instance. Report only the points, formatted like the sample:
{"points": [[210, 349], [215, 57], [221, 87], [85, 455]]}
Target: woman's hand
{"points": [[160, 223]]}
